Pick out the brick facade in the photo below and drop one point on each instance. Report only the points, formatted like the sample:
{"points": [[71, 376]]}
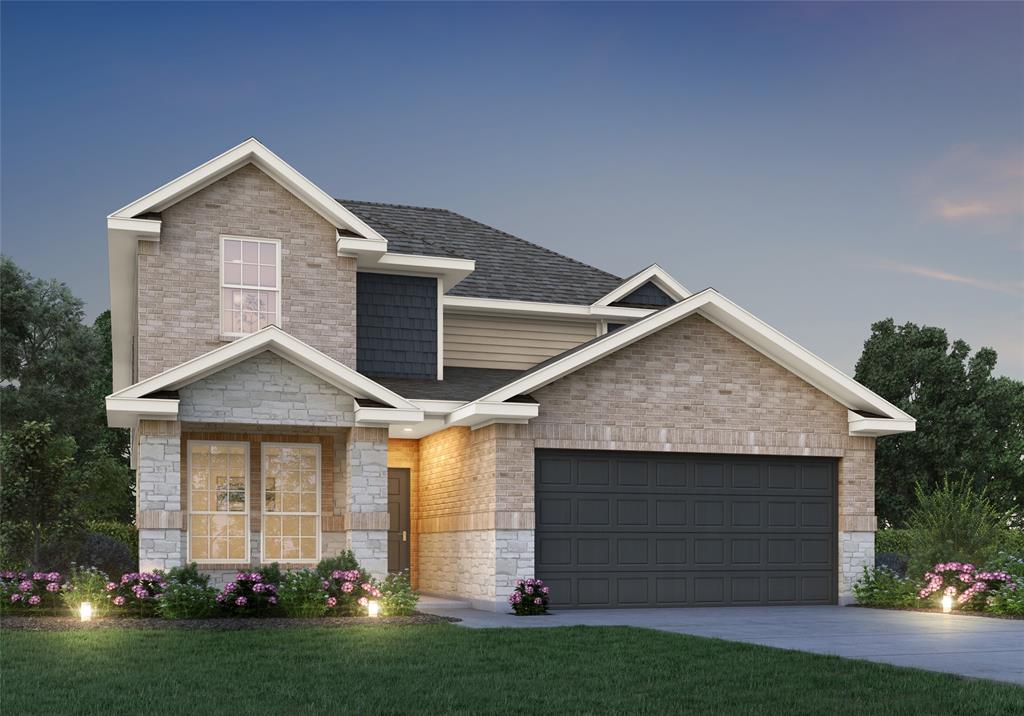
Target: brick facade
{"points": [[179, 276]]}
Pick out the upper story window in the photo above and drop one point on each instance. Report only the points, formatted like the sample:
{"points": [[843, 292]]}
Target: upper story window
{"points": [[250, 284]]}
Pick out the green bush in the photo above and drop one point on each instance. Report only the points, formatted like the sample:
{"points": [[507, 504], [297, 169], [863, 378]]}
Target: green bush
{"points": [[302, 594], [344, 562], [882, 587], [896, 541], [187, 600], [1012, 542], [953, 523], [189, 574], [1007, 600], [124, 532], [397, 598], [87, 584]]}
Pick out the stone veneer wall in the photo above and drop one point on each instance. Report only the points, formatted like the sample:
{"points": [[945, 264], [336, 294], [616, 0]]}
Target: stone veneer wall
{"points": [[266, 390], [179, 276], [158, 495]]}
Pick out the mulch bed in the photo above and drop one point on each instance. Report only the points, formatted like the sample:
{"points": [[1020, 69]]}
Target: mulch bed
{"points": [[43, 623], [955, 612]]}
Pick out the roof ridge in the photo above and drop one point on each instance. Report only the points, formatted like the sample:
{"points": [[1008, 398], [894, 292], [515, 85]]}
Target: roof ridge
{"points": [[526, 241]]}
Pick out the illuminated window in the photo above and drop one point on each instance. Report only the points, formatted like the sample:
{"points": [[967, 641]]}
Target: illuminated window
{"points": [[250, 285], [291, 502], [218, 501]]}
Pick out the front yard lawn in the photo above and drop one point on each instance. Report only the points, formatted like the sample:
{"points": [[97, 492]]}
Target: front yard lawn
{"points": [[447, 669]]}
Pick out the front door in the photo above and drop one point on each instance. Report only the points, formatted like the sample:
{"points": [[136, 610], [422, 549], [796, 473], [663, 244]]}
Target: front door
{"points": [[398, 509]]}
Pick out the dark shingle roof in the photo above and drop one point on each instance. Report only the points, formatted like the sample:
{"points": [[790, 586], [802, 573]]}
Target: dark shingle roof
{"points": [[506, 266], [458, 384]]}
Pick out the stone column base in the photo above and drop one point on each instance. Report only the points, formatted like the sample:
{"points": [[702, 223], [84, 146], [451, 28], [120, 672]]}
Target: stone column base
{"points": [[856, 551], [161, 549]]}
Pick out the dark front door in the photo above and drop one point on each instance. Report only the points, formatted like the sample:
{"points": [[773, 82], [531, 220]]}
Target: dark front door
{"points": [[398, 509], [622, 529]]}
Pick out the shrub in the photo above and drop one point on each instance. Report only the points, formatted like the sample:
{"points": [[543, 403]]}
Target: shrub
{"points": [[124, 532], [32, 591], [963, 581], [893, 540], [892, 561], [344, 562], [1007, 600], [397, 598], [137, 591], [1012, 564], [250, 594], [349, 592], [86, 584], [1012, 542], [189, 574], [187, 600], [106, 553], [303, 594], [529, 597], [954, 523], [882, 587]]}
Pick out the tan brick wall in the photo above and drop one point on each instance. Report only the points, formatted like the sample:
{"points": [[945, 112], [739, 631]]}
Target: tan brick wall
{"points": [[179, 276]]}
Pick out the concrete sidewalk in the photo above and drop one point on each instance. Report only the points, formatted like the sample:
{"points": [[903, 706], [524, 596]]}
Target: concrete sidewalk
{"points": [[977, 647]]}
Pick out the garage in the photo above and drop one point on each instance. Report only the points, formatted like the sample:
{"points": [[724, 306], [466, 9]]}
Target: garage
{"points": [[636, 530]]}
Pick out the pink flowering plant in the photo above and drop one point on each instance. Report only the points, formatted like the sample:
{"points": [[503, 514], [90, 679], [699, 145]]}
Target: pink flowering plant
{"points": [[530, 597], [249, 594], [968, 585], [35, 591], [137, 592], [348, 592]]}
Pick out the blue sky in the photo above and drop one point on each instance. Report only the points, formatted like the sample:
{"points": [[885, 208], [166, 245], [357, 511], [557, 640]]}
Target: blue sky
{"points": [[823, 165]]}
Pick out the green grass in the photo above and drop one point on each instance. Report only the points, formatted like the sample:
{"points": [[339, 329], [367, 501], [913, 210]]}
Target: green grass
{"points": [[446, 669]]}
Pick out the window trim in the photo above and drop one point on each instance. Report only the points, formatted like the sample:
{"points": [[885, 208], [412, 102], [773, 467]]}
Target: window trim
{"points": [[264, 513], [222, 286], [247, 514]]}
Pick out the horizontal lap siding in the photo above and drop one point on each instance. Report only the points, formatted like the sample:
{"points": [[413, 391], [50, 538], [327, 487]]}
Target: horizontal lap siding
{"points": [[472, 341]]}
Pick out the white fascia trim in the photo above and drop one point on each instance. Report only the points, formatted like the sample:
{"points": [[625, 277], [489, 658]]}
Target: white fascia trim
{"points": [[481, 411], [354, 245], [876, 427], [139, 229], [387, 416], [470, 304], [127, 412], [654, 274], [733, 319], [288, 347], [437, 407], [251, 150], [448, 271]]}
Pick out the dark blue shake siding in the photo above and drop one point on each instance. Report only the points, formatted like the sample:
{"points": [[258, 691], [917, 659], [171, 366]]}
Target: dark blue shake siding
{"points": [[646, 296], [396, 325]]}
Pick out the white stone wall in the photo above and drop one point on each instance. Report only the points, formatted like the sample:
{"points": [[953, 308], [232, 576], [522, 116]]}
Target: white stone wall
{"points": [[159, 471], [856, 551], [514, 560], [370, 548], [459, 564], [161, 549], [265, 390], [367, 460]]}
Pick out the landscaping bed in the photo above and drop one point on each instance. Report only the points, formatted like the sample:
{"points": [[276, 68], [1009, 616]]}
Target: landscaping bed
{"points": [[66, 623], [933, 610]]}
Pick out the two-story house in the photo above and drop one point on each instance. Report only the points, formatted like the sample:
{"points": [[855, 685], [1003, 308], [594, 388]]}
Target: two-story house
{"points": [[303, 374]]}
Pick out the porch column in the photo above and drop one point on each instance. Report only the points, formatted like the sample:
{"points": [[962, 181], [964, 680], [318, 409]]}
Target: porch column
{"points": [[857, 521], [366, 458], [158, 482]]}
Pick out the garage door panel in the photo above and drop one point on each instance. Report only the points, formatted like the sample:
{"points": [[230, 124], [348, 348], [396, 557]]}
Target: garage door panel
{"points": [[636, 529]]}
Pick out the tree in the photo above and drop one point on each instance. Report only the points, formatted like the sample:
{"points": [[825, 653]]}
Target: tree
{"points": [[39, 491], [968, 420]]}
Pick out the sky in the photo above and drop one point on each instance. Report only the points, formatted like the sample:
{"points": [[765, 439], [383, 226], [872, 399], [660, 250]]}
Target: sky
{"points": [[823, 165]]}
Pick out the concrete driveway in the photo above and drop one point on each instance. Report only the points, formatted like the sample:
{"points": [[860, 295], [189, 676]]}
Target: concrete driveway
{"points": [[970, 646]]}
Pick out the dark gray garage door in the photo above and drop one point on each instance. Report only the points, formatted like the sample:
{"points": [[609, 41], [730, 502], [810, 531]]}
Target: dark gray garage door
{"points": [[621, 529]]}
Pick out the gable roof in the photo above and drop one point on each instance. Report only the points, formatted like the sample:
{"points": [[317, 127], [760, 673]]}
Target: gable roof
{"points": [[741, 324], [251, 151], [277, 341], [653, 274], [507, 267]]}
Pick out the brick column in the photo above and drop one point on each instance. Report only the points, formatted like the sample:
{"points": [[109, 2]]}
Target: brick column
{"points": [[857, 521], [158, 479], [366, 497]]}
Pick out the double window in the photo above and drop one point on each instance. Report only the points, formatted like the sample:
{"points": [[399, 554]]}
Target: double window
{"points": [[218, 500], [250, 284]]}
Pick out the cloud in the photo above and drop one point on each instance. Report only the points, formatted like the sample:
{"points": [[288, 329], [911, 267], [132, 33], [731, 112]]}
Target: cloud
{"points": [[1012, 288], [970, 184]]}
